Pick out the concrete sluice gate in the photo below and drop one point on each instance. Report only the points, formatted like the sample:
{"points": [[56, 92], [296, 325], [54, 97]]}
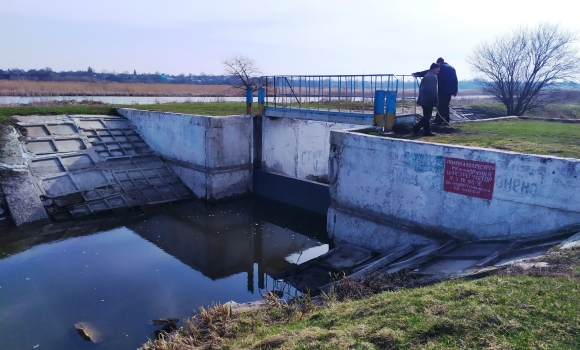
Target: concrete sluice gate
{"points": [[72, 166]]}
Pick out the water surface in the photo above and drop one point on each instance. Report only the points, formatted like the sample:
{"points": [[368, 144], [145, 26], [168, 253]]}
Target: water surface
{"points": [[120, 100], [119, 273]]}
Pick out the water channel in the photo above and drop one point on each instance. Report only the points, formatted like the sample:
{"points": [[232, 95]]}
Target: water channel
{"points": [[120, 100], [140, 100], [121, 271]]}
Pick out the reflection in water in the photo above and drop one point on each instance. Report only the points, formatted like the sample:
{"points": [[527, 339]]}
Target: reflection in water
{"points": [[120, 273]]}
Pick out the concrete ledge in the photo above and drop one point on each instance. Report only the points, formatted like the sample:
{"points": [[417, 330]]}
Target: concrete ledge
{"points": [[382, 178], [309, 195], [324, 116]]}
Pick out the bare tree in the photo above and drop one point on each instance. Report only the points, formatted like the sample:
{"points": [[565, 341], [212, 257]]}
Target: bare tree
{"points": [[518, 68], [244, 72]]}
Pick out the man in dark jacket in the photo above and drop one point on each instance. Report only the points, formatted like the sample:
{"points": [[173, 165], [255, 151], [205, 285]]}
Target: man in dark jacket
{"points": [[428, 98], [447, 87]]}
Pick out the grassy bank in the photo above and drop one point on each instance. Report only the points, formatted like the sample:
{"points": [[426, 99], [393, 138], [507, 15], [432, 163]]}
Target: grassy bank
{"points": [[212, 109], [560, 110], [535, 308], [524, 136]]}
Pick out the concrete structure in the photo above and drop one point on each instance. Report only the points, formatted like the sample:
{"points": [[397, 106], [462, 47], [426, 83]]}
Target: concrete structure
{"points": [[387, 191], [295, 142], [73, 166], [211, 155]]}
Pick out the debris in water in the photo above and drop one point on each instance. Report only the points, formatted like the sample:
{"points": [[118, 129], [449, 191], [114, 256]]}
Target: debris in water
{"points": [[88, 332]]}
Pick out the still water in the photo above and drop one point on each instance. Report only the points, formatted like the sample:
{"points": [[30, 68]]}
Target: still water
{"points": [[121, 272], [121, 100]]}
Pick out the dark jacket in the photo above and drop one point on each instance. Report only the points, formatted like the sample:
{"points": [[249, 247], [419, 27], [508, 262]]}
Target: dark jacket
{"points": [[447, 79], [428, 96]]}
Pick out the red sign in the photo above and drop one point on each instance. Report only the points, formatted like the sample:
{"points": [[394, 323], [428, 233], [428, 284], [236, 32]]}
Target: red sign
{"points": [[469, 177]]}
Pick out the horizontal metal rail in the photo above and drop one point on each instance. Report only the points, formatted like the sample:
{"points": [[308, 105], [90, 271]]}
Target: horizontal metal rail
{"points": [[341, 93]]}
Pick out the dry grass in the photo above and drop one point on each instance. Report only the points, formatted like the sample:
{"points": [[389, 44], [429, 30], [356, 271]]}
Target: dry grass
{"points": [[206, 330], [52, 88]]}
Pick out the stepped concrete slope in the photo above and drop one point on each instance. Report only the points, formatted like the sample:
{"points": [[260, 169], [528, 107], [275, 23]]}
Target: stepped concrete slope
{"points": [[72, 166]]}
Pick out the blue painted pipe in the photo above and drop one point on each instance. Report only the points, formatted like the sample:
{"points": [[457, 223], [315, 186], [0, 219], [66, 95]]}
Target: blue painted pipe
{"points": [[249, 100]]}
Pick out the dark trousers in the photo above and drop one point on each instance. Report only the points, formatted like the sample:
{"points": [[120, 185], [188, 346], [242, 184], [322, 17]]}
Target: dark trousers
{"points": [[443, 108], [424, 122]]}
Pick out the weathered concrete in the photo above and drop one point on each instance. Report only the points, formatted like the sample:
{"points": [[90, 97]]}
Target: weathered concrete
{"points": [[73, 166], [297, 147], [211, 155], [23, 201], [295, 141], [386, 191]]}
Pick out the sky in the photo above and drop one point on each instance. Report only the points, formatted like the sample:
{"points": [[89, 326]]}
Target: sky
{"points": [[297, 37]]}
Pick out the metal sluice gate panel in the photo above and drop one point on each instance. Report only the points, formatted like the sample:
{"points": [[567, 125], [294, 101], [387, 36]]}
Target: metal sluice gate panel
{"points": [[82, 165]]}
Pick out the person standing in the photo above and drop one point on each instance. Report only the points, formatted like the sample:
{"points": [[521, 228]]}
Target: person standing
{"points": [[447, 87], [428, 98]]}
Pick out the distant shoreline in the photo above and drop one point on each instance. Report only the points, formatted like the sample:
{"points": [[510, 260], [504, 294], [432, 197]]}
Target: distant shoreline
{"points": [[27, 88]]}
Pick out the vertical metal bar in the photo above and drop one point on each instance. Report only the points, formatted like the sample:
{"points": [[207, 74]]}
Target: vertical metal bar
{"points": [[300, 92], [363, 93]]}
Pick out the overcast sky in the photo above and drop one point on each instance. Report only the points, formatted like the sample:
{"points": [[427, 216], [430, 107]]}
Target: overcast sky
{"points": [[314, 37]]}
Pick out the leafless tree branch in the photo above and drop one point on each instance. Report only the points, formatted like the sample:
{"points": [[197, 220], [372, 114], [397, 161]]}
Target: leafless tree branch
{"points": [[520, 67], [243, 71]]}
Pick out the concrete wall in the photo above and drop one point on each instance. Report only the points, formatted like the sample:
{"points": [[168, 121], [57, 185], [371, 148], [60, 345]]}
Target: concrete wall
{"points": [[381, 189], [296, 147], [295, 142], [211, 155]]}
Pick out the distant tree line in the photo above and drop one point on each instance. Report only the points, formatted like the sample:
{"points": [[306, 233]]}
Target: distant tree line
{"points": [[89, 75]]}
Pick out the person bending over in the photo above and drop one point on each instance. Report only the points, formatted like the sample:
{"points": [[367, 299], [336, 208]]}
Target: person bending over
{"points": [[428, 98]]}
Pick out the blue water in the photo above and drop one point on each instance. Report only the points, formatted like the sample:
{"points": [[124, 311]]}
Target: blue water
{"points": [[121, 272]]}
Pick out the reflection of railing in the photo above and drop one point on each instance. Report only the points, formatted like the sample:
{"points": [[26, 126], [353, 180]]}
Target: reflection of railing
{"points": [[343, 93]]}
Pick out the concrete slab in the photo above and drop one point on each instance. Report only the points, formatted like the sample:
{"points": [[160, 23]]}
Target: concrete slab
{"points": [[345, 257], [477, 249], [81, 165], [447, 266], [309, 279], [23, 201], [572, 242]]}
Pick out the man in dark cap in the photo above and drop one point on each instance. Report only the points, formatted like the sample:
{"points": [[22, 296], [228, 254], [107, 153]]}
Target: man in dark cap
{"points": [[448, 86], [428, 99]]}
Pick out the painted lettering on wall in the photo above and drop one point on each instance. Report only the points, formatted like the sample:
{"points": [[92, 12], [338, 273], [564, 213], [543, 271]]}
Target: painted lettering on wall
{"points": [[423, 162], [516, 185], [469, 177]]}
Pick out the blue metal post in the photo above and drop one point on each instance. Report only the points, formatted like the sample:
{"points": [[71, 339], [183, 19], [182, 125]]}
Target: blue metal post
{"points": [[249, 100], [391, 97], [378, 119], [261, 94]]}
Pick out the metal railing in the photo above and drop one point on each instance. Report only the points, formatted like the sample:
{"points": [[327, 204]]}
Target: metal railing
{"points": [[341, 93]]}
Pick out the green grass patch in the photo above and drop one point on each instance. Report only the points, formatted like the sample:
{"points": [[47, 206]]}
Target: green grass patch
{"points": [[497, 312], [211, 109], [524, 136], [8, 111]]}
